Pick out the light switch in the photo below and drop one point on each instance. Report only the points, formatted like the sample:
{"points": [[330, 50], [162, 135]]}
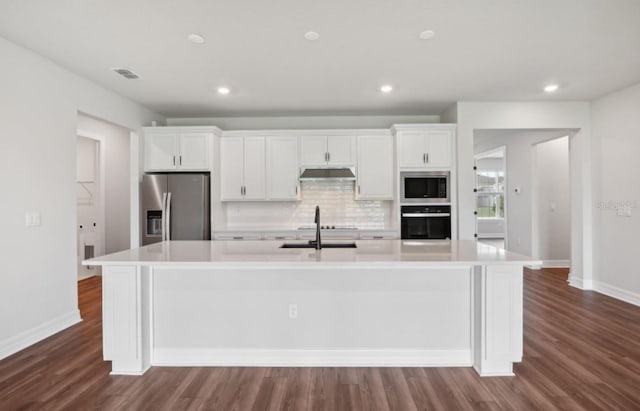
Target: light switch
{"points": [[32, 219]]}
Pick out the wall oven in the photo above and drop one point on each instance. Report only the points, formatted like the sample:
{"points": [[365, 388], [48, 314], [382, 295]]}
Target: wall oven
{"points": [[425, 222], [425, 187]]}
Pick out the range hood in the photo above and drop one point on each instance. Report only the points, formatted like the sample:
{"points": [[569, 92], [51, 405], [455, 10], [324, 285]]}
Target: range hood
{"points": [[310, 174]]}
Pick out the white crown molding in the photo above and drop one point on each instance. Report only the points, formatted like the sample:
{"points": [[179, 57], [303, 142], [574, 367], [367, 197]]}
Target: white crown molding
{"points": [[176, 129], [398, 128], [308, 132]]}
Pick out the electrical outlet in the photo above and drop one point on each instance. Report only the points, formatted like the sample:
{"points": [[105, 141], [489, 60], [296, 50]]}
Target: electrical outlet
{"points": [[624, 211], [293, 311]]}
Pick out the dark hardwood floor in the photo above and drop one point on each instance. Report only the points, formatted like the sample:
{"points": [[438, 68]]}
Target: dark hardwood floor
{"points": [[582, 351]]}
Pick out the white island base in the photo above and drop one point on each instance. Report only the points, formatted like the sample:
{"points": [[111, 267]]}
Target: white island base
{"points": [[250, 303]]}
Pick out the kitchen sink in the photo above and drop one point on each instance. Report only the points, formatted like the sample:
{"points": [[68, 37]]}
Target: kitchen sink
{"points": [[324, 245]]}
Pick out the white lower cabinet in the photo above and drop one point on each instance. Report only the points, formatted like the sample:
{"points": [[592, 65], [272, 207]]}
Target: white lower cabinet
{"points": [[242, 168], [375, 168]]}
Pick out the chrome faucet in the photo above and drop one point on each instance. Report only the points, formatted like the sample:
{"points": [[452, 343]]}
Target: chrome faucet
{"points": [[317, 221]]}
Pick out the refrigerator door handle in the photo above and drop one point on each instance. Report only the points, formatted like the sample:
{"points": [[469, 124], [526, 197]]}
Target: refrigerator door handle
{"points": [[164, 216], [169, 216]]}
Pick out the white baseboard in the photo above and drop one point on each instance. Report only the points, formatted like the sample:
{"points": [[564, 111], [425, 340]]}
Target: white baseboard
{"points": [[579, 282], [617, 292], [556, 263], [29, 337], [310, 358], [551, 264]]}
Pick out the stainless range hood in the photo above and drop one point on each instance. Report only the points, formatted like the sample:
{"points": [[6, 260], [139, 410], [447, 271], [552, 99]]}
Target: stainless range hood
{"points": [[311, 174]]}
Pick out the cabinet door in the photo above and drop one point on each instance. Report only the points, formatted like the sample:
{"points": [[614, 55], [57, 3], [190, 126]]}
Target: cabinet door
{"points": [[282, 168], [231, 168], [313, 150], [254, 168], [412, 149], [375, 168], [160, 152], [194, 152], [439, 148], [342, 150]]}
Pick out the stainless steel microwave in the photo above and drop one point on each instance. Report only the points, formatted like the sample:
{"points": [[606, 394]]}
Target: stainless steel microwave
{"points": [[425, 187]]}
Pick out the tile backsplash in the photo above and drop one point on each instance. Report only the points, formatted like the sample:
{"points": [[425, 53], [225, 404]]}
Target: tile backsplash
{"points": [[337, 204]]}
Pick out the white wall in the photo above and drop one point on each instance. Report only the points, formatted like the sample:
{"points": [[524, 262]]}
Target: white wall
{"points": [[552, 201], [616, 128], [534, 115], [38, 113], [115, 143], [308, 122]]}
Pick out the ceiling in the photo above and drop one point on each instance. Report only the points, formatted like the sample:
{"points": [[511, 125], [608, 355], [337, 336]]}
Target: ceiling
{"points": [[489, 50]]}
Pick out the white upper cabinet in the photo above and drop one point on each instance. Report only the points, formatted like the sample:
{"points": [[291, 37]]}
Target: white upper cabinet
{"points": [[375, 168], [232, 168], [254, 168], [242, 168], [194, 151], [177, 149], [282, 168], [313, 151], [425, 146], [325, 151]]}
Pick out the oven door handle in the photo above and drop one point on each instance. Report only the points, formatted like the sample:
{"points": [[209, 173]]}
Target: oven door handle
{"points": [[426, 215]]}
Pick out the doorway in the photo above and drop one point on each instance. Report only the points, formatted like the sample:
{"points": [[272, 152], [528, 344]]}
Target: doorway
{"points": [[521, 210], [551, 203], [90, 203], [105, 186]]}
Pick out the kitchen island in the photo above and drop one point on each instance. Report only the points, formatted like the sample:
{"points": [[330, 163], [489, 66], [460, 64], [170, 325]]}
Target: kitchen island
{"points": [[253, 303]]}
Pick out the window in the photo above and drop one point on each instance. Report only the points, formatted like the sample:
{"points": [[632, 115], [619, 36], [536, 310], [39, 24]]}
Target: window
{"points": [[490, 193]]}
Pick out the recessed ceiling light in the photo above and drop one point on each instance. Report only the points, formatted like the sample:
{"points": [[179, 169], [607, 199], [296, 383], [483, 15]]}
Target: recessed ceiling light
{"points": [[386, 88], [311, 35], [427, 34], [224, 90], [195, 38], [550, 88]]}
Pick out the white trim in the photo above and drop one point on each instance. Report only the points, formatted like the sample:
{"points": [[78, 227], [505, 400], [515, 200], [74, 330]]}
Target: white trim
{"points": [[552, 264], [617, 292], [308, 132], [178, 129], [12, 345], [556, 263], [579, 282], [135, 171], [311, 358]]}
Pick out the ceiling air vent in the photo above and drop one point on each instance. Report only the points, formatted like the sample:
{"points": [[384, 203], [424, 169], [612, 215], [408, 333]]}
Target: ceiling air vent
{"points": [[126, 73]]}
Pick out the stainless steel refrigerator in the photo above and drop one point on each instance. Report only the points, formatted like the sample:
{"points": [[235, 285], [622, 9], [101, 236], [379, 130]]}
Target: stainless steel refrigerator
{"points": [[175, 206]]}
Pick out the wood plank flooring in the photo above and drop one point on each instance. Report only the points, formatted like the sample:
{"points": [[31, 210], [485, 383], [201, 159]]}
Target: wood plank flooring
{"points": [[581, 352]]}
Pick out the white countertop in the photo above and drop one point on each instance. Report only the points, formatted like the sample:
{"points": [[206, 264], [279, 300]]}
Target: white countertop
{"points": [[262, 253]]}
